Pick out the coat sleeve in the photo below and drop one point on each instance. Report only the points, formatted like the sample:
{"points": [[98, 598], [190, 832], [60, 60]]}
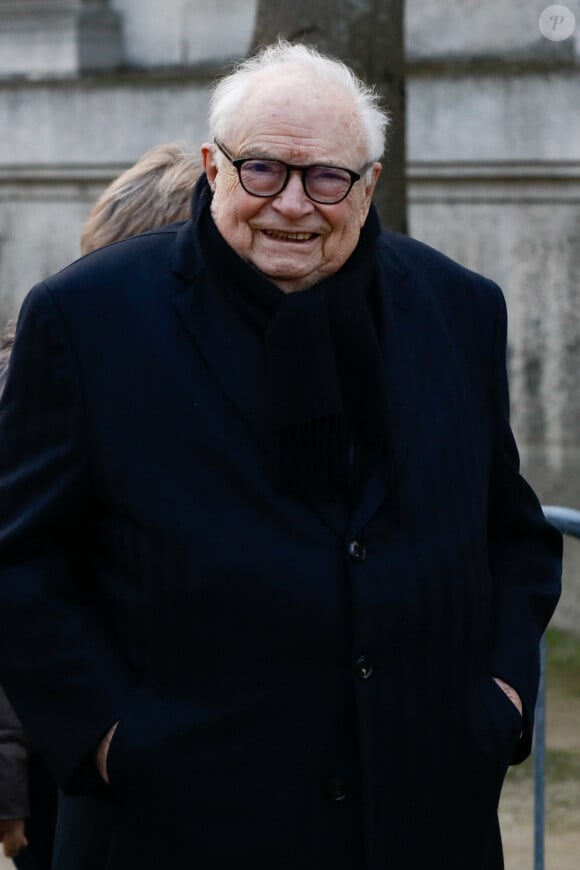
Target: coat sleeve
{"points": [[525, 554], [58, 661], [14, 803]]}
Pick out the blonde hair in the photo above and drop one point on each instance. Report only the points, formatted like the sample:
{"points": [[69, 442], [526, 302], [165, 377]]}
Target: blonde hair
{"points": [[228, 94], [6, 342], [154, 192]]}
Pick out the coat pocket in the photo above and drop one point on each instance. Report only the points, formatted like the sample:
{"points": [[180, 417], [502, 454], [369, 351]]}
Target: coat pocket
{"points": [[495, 728], [496, 722], [136, 739]]}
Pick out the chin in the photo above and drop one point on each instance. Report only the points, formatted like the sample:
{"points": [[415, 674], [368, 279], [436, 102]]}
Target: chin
{"points": [[292, 285], [287, 281]]}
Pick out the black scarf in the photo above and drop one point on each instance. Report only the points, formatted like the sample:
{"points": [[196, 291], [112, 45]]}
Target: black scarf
{"points": [[325, 372]]}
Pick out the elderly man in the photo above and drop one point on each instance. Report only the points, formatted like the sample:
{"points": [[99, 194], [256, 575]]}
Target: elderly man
{"points": [[262, 517]]}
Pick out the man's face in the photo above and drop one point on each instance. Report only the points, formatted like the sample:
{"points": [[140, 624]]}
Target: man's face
{"points": [[294, 241]]}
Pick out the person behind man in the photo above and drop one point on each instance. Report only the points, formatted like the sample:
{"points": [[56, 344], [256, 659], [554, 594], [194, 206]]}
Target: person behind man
{"points": [[13, 781], [153, 192], [28, 797], [263, 517]]}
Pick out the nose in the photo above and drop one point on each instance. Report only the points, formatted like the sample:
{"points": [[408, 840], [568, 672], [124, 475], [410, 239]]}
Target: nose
{"points": [[292, 201]]}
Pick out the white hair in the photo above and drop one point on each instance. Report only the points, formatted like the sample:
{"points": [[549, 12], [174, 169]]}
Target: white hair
{"points": [[228, 93]]}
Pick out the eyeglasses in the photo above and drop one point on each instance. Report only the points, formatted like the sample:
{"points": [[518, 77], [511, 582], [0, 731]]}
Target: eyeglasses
{"points": [[259, 176]]}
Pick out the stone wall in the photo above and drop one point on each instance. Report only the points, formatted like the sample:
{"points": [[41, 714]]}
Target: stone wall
{"points": [[182, 32], [79, 106], [71, 136], [494, 164]]}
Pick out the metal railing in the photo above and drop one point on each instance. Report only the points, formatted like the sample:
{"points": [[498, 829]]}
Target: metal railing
{"points": [[567, 521]]}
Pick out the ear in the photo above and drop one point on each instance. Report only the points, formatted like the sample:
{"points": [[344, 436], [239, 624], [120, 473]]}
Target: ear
{"points": [[209, 162], [369, 191]]}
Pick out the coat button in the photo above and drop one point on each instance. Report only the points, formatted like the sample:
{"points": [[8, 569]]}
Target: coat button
{"points": [[357, 551], [336, 789], [363, 668]]}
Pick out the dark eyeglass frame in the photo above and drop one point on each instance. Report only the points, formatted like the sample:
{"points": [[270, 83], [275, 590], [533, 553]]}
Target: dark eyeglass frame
{"points": [[238, 162]]}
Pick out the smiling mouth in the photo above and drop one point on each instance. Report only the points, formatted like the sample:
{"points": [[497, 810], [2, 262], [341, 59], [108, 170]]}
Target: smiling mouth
{"points": [[290, 237]]}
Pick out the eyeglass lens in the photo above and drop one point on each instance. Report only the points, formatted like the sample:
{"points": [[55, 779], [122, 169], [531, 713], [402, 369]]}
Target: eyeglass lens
{"points": [[268, 177]]}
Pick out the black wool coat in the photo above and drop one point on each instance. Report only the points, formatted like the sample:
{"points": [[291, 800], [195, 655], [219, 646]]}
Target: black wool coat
{"points": [[298, 685]]}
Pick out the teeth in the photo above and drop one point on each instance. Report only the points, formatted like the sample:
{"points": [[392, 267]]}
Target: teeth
{"points": [[295, 237]]}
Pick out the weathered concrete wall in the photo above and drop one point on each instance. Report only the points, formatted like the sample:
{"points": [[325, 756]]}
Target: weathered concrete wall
{"points": [[70, 138], [170, 32], [69, 127], [38, 37], [454, 29]]}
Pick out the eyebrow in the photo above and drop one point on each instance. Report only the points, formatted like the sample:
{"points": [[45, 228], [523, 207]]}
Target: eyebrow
{"points": [[258, 156]]}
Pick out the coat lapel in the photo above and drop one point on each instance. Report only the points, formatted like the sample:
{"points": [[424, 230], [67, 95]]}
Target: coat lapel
{"points": [[405, 335], [232, 353], [406, 343]]}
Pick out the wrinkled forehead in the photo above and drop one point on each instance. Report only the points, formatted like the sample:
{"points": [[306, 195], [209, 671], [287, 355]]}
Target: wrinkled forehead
{"points": [[294, 109]]}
